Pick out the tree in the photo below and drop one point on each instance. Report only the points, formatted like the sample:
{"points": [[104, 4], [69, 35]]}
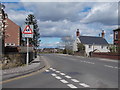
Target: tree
{"points": [[31, 20], [68, 43], [81, 47]]}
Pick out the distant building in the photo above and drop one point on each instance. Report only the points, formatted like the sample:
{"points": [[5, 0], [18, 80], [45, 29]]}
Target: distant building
{"points": [[13, 34], [92, 43], [116, 36]]}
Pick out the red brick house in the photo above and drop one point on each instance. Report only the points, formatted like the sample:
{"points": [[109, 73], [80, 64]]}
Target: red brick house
{"points": [[13, 34], [116, 36]]}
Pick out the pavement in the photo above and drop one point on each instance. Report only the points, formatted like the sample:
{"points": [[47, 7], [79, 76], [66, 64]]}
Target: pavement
{"points": [[71, 72], [37, 64]]}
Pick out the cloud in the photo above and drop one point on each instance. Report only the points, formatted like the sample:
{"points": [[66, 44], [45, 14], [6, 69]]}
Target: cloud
{"points": [[64, 28], [57, 11], [18, 17], [105, 13], [63, 19]]}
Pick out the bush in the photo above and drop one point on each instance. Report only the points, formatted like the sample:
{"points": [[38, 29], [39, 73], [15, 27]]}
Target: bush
{"points": [[12, 60], [81, 47], [67, 51]]}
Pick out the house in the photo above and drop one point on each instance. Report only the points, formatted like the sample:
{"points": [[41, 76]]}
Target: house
{"points": [[92, 43], [13, 34]]}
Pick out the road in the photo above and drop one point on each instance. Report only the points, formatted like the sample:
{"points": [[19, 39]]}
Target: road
{"points": [[71, 72]]}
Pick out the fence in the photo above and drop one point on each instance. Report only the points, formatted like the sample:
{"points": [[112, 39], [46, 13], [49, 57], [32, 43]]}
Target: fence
{"points": [[20, 52], [107, 55]]}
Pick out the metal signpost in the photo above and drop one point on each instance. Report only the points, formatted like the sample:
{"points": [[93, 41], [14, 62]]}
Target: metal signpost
{"points": [[28, 33]]}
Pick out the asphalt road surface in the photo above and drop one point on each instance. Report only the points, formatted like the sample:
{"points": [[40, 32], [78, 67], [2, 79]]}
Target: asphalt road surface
{"points": [[71, 72]]}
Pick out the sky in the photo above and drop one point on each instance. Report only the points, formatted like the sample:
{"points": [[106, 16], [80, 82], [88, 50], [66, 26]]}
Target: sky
{"points": [[60, 19]]}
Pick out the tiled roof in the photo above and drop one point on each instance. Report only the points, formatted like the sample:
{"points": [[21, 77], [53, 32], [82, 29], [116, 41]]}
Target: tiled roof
{"points": [[93, 40]]}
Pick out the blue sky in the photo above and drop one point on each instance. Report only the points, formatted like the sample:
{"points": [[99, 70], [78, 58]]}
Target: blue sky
{"points": [[47, 42], [57, 20]]}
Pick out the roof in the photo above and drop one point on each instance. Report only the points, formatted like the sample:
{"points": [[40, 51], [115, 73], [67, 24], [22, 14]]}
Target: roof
{"points": [[93, 40], [117, 29]]}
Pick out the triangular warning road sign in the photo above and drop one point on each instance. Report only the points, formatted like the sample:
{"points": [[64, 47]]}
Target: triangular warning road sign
{"points": [[27, 30]]}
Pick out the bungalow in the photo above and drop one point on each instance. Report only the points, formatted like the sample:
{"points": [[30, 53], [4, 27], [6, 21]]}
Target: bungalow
{"points": [[92, 43]]}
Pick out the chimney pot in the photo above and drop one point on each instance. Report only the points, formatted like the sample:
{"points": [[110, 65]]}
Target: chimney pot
{"points": [[77, 33], [103, 34]]}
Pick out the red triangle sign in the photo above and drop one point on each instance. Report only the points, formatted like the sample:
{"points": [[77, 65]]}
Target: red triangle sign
{"points": [[27, 30]]}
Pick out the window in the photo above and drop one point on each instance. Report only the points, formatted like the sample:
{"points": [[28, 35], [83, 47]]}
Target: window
{"points": [[12, 44], [90, 46], [102, 47], [116, 35]]}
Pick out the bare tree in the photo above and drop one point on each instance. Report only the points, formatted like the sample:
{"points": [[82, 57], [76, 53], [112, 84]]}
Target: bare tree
{"points": [[68, 44]]}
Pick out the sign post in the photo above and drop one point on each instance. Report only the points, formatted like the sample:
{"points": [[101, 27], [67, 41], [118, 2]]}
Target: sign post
{"points": [[27, 58], [28, 33]]}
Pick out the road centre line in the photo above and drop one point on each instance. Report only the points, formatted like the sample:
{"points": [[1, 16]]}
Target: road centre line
{"points": [[71, 86], [74, 80], [57, 71], [84, 85], [47, 70], [111, 66], [64, 81], [53, 74], [68, 77], [62, 73], [57, 77], [51, 68]]}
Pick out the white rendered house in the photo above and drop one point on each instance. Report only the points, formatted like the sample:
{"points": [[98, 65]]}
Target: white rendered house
{"points": [[92, 43]]}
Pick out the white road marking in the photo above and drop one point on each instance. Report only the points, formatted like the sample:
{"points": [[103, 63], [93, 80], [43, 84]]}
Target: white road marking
{"points": [[84, 85], [109, 66], [92, 63], [62, 73], [88, 62], [47, 70], [67, 76], [64, 81], [51, 68], [71, 86], [74, 80], [58, 77], [109, 60], [116, 67], [4, 72], [57, 71], [53, 74]]}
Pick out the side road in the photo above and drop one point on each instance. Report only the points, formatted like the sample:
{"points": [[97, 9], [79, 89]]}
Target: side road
{"points": [[35, 65]]}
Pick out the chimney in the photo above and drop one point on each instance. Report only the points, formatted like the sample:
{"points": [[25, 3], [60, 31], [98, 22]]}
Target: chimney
{"points": [[77, 33], [103, 34]]}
